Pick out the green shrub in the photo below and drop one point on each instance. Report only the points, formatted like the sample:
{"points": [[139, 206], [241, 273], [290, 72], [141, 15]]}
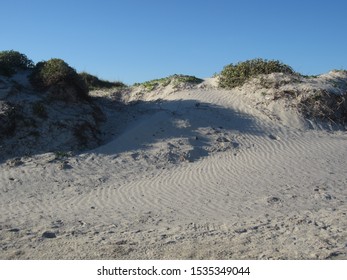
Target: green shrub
{"points": [[12, 61], [94, 82], [236, 75], [58, 77]]}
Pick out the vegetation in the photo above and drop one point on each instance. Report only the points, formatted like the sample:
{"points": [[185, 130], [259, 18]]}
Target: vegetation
{"points": [[344, 71], [7, 118], [236, 75], [13, 61], [185, 79], [175, 80], [61, 155], [56, 75], [325, 106], [94, 82], [152, 84]]}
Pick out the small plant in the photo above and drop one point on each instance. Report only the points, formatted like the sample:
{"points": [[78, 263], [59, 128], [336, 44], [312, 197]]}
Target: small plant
{"points": [[12, 61], [94, 82], [236, 75], [56, 75], [39, 110]]}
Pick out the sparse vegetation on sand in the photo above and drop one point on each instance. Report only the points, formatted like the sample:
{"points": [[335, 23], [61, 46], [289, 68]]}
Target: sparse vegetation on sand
{"points": [[13, 61], [315, 98], [32, 114], [236, 75], [325, 106], [175, 80], [93, 82]]}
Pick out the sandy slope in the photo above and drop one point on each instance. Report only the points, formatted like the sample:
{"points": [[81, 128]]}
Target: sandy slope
{"points": [[196, 173]]}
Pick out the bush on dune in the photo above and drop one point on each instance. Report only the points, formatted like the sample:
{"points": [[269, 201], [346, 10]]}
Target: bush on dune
{"points": [[13, 61], [93, 82], [61, 80], [236, 75]]}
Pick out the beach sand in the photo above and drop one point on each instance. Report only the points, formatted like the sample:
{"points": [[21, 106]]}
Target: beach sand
{"points": [[186, 173]]}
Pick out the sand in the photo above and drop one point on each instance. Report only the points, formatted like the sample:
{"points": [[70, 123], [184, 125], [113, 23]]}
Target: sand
{"points": [[188, 173]]}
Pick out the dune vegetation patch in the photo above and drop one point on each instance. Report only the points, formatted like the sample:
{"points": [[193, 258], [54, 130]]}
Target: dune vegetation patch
{"points": [[236, 75], [12, 61], [323, 97], [59, 79], [316, 97], [94, 83], [175, 80], [45, 107], [325, 105]]}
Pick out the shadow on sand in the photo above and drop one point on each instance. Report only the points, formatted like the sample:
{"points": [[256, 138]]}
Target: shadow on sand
{"points": [[141, 124]]}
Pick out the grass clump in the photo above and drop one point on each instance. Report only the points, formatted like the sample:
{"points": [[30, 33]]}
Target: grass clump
{"points": [[93, 82], [13, 61], [236, 75], [60, 79]]}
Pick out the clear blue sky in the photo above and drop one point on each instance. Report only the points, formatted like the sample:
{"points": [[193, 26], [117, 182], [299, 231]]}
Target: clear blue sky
{"points": [[138, 40]]}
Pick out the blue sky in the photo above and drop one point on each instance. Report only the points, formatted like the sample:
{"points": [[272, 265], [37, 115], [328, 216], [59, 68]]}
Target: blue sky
{"points": [[134, 40]]}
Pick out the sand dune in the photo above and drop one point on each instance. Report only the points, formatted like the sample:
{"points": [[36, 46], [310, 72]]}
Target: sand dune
{"points": [[193, 173]]}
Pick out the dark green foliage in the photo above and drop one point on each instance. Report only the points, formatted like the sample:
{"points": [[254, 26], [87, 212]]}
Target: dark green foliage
{"points": [[236, 75], [58, 77], [94, 82], [12, 61]]}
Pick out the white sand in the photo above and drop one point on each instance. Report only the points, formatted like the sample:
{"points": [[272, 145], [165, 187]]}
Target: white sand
{"points": [[199, 173]]}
